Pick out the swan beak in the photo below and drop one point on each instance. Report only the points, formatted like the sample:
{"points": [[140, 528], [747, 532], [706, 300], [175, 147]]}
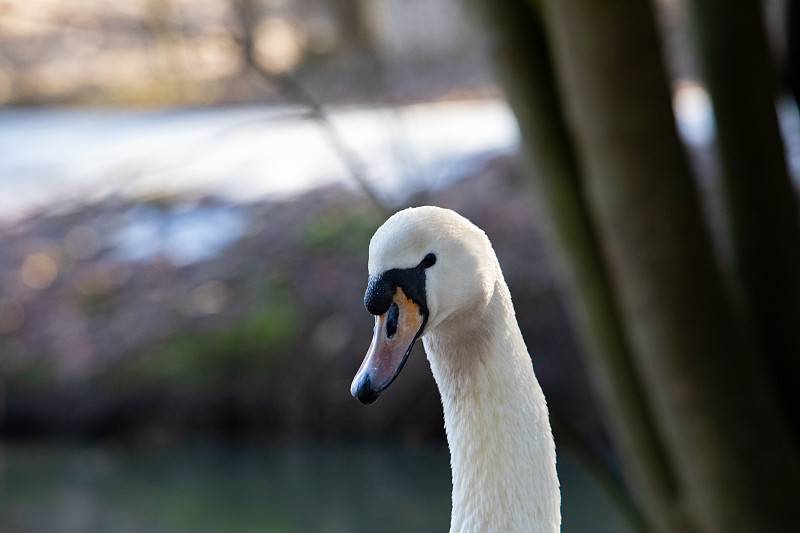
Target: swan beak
{"points": [[394, 336]]}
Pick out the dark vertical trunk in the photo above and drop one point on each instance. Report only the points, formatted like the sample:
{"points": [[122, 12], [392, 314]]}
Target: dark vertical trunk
{"points": [[522, 60], [733, 462], [762, 204], [353, 27], [793, 47]]}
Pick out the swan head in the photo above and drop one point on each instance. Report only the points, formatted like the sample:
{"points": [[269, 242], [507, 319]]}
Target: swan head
{"points": [[428, 267]]}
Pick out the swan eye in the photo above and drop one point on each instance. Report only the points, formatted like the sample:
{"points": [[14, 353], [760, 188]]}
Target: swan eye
{"points": [[428, 261]]}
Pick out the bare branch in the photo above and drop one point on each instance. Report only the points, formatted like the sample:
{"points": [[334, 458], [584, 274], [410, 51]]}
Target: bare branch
{"points": [[294, 91]]}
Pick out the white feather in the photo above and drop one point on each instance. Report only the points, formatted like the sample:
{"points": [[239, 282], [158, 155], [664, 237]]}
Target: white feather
{"points": [[502, 452]]}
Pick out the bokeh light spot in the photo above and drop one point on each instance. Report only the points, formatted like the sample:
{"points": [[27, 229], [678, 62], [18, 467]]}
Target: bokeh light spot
{"points": [[280, 44], [208, 299], [38, 271]]}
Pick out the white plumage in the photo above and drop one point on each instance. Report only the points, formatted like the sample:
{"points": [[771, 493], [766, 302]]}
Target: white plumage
{"points": [[502, 451]]}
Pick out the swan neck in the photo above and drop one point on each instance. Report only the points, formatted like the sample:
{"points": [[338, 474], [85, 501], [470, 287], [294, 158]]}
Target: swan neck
{"points": [[498, 431]]}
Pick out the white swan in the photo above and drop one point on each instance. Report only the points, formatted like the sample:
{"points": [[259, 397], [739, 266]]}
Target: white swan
{"points": [[434, 275]]}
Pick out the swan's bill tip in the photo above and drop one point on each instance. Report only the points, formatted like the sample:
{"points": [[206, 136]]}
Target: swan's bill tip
{"points": [[363, 392]]}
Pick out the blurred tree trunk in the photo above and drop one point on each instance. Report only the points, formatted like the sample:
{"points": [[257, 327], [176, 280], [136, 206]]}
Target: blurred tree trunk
{"points": [[733, 461], [246, 18], [522, 59], [762, 204], [735, 469], [353, 24], [166, 47], [793, 47]]}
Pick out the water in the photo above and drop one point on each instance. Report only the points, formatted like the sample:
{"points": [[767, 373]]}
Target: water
{"points": [[250, 153], [238, 490], [241, 154], [185, 232]]}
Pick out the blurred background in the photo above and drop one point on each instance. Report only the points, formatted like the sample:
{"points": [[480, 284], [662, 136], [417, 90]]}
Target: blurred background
{"points": [[187, 192]]}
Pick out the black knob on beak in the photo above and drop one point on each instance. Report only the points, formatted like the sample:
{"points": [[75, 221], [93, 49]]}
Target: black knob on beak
{"points": [[378, 297]]}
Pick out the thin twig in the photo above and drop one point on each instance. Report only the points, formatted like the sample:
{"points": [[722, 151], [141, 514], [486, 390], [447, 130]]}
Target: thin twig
{"points": [[291, 89]]}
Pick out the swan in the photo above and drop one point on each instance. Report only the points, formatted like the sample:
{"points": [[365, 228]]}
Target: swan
{"points": [[434, 275]]}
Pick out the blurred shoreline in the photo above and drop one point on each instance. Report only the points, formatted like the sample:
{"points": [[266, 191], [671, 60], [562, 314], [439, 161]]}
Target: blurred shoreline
{"points": [[243, 154], [257, 341]]}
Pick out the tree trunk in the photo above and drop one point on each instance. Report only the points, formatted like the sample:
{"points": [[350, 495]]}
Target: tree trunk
{"points": [[762, 204], [793, 48], [522, 60], [734, 464]]}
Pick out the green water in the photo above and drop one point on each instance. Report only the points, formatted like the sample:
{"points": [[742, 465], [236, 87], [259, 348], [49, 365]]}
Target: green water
{"points": [[243, 490]]}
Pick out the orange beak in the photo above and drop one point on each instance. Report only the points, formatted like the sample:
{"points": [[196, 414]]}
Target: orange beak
{"points": [[394, 336]]}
